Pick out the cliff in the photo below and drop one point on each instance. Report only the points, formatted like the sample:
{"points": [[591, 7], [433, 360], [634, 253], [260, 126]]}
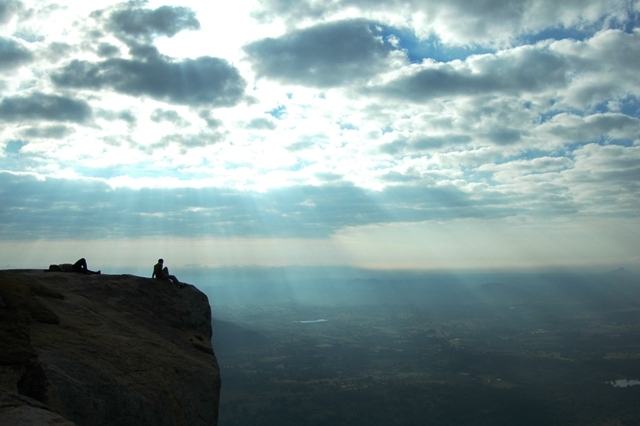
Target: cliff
{"points": [[104, 350]]}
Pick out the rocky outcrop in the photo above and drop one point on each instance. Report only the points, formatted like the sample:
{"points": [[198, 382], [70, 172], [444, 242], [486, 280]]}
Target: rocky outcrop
{"points": [[105, 350]]}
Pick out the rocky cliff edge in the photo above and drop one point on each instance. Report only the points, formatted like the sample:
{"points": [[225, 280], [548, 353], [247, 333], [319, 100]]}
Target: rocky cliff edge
{"points": [[104, 350]]}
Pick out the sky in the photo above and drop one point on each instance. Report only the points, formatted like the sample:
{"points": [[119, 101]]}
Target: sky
{"points": [[398, 134]]}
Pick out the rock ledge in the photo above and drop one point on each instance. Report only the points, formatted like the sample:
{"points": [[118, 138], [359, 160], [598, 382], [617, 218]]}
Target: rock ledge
{"points": [[104, 350]]}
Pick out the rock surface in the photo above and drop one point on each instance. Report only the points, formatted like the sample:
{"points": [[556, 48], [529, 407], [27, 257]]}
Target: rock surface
{"points": [[105, 350]]}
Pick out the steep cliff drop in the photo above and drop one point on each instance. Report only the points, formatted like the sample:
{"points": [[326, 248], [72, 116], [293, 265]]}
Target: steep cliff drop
{"points": [[104, 350]]}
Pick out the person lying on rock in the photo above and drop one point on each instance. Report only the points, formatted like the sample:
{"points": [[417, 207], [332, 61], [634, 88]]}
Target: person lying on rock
{"points": [[80, 266], [162, 273]]}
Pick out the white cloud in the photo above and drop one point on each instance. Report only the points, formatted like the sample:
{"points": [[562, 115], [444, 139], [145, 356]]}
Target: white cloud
{"points": [[324, 116], [569, 128], [459, 22]]}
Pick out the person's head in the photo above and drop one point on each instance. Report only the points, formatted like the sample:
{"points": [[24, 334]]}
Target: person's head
{"points": [[160, 261]]}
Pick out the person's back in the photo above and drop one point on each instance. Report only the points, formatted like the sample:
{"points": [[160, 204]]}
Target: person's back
{"points": [[162, 273], [157, 270]]}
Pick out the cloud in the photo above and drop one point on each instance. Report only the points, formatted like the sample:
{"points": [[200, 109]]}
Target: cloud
{"points": [[329, 177], [395, 177], [211, 121], [326, 55], [200, 81], [126, 116], [47, 132], [107, 50], [594, 179], [308, 141], [607, 178], [300, 145], [62, 208], [422, 142], [528, 69], [292, 9], [261, 124], [192, 140], [159, 115], [598, 180], [57, 51], [603, 66], [571, 128], [610, 166], [14, 146], [147, 24], [504, 136], [508, 171], [606, 51], [9, 8], [39, 106], [13, 54], [459, 22]]}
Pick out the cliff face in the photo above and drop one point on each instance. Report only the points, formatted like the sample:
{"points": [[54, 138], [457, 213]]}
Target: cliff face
{"points": [[104, 350]]}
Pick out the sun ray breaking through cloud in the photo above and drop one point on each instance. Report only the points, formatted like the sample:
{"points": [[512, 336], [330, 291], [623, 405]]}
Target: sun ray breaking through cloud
{"points": [[375, 132]]}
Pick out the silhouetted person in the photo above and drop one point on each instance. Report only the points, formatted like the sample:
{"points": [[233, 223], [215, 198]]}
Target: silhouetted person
{"points": [[161, 272], [80, 266]]}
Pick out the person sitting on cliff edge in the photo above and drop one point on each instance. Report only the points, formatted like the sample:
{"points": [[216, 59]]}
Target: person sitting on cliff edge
{"points": [[80, 266], [161, 272]]}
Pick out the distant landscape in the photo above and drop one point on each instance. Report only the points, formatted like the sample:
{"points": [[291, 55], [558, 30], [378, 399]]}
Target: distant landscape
{"points": [[439, 349]]}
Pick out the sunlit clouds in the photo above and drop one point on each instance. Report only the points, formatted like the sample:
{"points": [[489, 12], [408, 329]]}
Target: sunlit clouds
{"points": [[337, 125]]}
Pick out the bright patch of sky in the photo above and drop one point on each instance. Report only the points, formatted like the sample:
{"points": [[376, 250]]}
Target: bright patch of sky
{"points": [[274, 121]]}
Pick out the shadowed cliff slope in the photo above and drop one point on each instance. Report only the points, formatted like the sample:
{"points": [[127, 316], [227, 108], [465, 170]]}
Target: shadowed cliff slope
{"points": [[104, 350]]}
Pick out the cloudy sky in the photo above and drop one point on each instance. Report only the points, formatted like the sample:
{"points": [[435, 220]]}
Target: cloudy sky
{"points": [[379, 134]]}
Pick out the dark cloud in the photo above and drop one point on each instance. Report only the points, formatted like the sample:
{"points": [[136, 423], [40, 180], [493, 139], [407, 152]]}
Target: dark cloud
{"points": [[47, 132], [574, 128], [56, 51], [191, 141], [394, 147], [8, 8], [524, 70], [147, 24], [422, 143], [291, 8], [57, 208], [39, 106], [13, 54], [504, 136], [462, 21], [159, 115], [301, 145], [326, 55], [613, 123], [204, 80], [107, 50], [211, 121], [201, 81], [128, 117], [125, 115], [144, 51]]}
